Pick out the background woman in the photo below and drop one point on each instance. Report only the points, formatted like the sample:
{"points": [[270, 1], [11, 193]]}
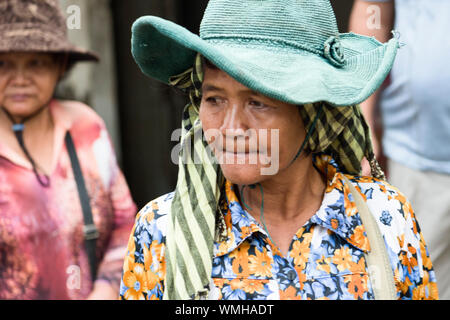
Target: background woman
{"points": [[42, 239]]}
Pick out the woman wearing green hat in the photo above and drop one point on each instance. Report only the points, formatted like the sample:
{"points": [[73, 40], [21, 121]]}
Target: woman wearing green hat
{"points": [[269, 202], [65, 208]]}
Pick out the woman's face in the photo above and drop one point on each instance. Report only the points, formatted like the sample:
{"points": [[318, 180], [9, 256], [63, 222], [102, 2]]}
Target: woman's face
{"points": [[253, 137], [27, 81]]}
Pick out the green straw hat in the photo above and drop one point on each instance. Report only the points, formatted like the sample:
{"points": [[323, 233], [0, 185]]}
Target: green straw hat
{"points": [[290, 50]]}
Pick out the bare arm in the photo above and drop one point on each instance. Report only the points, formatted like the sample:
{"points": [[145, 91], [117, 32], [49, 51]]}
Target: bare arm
{"points": [[375, 19], [365, 16]]}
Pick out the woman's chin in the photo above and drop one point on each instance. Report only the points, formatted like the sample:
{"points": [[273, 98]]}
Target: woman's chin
{"points": [[242, 174], [21, 109]]}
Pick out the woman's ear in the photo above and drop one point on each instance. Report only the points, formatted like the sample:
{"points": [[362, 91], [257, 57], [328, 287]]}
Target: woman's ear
{"points": [[65, 65]]}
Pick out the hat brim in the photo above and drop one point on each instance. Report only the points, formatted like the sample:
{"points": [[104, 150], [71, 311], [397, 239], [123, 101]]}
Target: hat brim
{"points": [[38, 41], [163, 49]]}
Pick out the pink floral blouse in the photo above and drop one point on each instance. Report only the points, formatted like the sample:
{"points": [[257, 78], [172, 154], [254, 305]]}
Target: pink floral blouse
{"points": [[42, 250]]}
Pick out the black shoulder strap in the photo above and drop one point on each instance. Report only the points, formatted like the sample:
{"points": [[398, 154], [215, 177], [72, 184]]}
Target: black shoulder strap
{"points": [[90, 231]]}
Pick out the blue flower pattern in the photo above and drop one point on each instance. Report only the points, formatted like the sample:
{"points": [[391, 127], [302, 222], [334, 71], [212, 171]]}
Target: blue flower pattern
{"points": [[326, 259]]}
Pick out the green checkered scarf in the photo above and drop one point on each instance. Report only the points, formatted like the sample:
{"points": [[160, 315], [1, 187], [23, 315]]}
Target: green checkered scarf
{"points": [[196, 221], [343, 133]]}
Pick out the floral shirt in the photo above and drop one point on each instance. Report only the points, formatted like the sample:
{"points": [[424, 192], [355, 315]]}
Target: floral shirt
{"points": [[326, 258], [42, 249]]}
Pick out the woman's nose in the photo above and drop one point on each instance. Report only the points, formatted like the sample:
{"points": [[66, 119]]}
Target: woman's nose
{"points": [[19, 76], [235, 120]]}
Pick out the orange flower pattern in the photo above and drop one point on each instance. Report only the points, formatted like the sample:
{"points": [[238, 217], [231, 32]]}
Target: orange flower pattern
{"points": [[326, 259]]}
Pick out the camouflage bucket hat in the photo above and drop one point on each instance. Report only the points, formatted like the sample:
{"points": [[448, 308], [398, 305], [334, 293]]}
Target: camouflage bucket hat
{"points": [[37, 26]]}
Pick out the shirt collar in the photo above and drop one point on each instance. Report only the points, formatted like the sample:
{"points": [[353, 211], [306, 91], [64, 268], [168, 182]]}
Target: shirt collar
{"points": [[61, 121], [337, 213]]}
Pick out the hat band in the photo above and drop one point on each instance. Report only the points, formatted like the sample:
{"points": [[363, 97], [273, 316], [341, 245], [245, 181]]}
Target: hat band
{"points": [[25, 33], [10, 30], [330, 50], [33, 40], [265, 41]]}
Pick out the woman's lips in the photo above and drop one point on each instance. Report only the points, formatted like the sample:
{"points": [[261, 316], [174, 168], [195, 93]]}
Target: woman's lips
{"points": [[238, 153], [19, 97], [232, 157]]}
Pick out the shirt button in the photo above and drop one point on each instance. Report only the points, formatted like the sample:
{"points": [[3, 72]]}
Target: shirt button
{"points": [[291, 275]]}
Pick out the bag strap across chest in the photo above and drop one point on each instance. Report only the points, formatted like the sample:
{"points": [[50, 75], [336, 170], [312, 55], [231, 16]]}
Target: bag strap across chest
{"points": [[378, 262]]}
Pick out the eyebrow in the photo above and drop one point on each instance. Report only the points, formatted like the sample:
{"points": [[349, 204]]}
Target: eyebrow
{"points": [[210, 87]]}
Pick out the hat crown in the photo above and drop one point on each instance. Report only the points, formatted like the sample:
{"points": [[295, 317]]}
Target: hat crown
{"points": [[37, 14], [37, 26], [302, 23]]}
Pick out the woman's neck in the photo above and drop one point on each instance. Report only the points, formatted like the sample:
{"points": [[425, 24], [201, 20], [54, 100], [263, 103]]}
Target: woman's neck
{"points": [[291, 198], [289, 193], [38, 136], [39, 121]]}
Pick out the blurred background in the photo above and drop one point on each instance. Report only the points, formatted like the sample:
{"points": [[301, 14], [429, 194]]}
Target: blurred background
{"points": [[140, 113]]}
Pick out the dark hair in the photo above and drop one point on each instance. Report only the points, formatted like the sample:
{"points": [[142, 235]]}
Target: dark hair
{"points": [[64, 59], [307, 151], [208, 64]]}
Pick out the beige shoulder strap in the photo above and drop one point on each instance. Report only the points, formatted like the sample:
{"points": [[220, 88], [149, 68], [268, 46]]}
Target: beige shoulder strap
{"points": [[378, 262]]}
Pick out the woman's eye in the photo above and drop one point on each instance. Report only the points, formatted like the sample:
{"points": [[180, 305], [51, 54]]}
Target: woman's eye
{"points": [[36, 63], [257, 104], [40, 63], [213, 100], [5, 65]]}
